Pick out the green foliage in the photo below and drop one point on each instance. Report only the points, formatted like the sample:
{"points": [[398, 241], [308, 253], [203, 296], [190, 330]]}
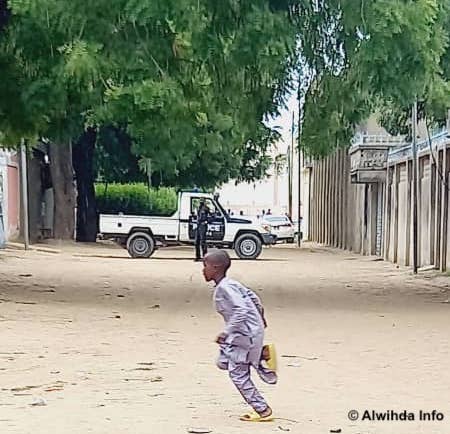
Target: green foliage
{"points": [[216, 69], [135, 199], [4, 14], [365, 56], [114, 160], [189, 80]]}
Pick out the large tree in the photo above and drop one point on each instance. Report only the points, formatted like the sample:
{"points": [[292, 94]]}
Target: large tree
{"points": [[366, 56], [200, 82], [49, 80], [190, 82]]}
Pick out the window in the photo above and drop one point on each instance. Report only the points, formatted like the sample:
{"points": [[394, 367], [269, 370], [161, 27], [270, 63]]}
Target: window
{"points": [[195, 204]]}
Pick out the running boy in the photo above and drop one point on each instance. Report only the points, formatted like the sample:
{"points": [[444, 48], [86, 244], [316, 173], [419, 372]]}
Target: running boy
{"points": [[241, 343]]}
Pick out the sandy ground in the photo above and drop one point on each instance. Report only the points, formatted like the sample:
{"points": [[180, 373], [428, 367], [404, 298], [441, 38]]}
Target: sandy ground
{"points": [[115, 345]]}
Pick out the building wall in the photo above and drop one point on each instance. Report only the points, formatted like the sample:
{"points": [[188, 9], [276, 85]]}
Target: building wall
{"points": [[3, 199], [9, 177], [269, 193], [341, 214], [13, 200], [13, 197], [433, 204], [377, 219]]}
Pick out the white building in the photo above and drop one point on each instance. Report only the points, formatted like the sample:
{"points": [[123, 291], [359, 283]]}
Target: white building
{"points": [[273, 192], [9, 193], [270, 193]]}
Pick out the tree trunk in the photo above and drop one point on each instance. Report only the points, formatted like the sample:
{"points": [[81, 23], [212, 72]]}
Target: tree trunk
{"points": [[63, 191], [83, 158]]}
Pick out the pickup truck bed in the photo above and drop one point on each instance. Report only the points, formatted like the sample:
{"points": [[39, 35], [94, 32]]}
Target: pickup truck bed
{"points": [[164, 227]]}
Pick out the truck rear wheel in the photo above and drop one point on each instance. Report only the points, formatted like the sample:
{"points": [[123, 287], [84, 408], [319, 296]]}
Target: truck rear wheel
{"points": [[248, 246], [140, 245]]}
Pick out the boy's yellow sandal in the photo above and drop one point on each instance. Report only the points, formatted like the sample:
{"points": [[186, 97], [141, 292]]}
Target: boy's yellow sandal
{"points": [[253, 416]]}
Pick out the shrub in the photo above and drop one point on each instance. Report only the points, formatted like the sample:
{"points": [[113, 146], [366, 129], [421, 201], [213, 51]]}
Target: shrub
{"points": [[135, 199]]}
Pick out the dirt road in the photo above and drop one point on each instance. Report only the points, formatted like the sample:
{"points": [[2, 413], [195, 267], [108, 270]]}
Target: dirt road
{"points": [[114, 345]]}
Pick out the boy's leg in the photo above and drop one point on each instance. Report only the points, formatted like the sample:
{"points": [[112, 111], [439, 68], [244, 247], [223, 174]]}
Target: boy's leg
{"points": [[222, 360], [266, 375], [240, 376]]}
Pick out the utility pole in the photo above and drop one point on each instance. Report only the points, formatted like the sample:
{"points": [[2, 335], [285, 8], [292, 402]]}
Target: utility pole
{"points": [[299, 217], [290, 166], [415, 180], [23, 177]]}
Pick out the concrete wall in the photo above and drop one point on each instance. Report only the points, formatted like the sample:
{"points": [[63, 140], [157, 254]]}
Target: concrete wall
{"points": [[433, 204], [376, 219], [342, 214], [3, 200], [13, 201], [9, 193]]}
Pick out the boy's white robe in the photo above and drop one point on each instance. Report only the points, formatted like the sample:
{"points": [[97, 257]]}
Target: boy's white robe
{"points": [[242, 311]]}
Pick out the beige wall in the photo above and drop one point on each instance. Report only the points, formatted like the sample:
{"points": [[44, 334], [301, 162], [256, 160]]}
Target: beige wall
{"points": [[433, 207], [342, 214], [346, 215], [10, 193]]}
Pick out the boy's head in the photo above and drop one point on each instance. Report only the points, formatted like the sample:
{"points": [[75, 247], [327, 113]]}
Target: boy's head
{"points": [[216, 264]]}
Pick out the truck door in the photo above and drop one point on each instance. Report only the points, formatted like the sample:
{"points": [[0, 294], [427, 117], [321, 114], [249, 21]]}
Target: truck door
{"points": [[216, 221]]}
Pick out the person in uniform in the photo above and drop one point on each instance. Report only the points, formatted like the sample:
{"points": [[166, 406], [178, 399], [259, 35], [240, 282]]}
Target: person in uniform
{"points": [[201, 247]]}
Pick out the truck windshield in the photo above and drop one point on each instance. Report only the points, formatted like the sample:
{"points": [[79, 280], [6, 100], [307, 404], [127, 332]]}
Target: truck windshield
{"points": [[218, 204]]}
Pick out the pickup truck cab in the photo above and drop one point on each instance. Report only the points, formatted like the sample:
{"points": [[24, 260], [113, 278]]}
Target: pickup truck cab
{"points": [[141, 235]]}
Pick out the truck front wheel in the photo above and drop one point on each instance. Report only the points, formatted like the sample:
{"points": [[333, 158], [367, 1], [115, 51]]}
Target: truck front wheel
{"points": [[140, 245], [248, 246]]}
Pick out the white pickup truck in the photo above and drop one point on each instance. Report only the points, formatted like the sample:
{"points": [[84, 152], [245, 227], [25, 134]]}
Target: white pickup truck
{"points": [[141, 235]]}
